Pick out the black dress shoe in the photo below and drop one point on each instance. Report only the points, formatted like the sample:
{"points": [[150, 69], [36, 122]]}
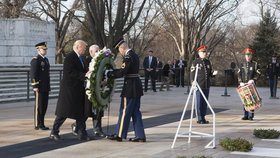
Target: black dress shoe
{"points": [[137, 139], [244, 118], [74, 131], [250, 118], [114, 137], [202, 122], [42, 127], [84, 137], [99, 133], [55, 137]]}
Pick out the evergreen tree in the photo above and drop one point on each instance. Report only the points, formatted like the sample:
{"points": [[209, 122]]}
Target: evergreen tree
{"points": [[265, 41]]}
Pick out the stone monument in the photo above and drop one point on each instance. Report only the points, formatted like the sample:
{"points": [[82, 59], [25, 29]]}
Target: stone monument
{"points": [[18, 38]]}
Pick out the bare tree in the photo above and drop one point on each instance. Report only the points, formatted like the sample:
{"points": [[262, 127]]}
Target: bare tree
{"points": [[110, 20], [11, 8], [55, 11]]}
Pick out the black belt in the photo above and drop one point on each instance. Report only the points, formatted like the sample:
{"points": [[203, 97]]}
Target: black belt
{"points": [[131, 75]]}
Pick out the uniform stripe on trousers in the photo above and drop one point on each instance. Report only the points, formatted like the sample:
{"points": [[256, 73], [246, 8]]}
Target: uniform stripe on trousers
{"points": [[123, 115]]}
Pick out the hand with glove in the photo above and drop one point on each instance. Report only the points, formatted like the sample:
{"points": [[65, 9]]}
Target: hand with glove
{"points": [[251, 82], [107, 73], [215, 73], [242, 84]]}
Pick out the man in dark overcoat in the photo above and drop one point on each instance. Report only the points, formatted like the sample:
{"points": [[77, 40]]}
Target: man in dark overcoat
{"points": [[71, 99], [150, 66], [130, 96], [90, 111], [40, 81]]}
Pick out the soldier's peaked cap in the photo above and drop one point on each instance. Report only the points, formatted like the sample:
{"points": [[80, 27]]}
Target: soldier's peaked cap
{"points": [[118, 43], [248, 51], [42, 45], [202, 48]]}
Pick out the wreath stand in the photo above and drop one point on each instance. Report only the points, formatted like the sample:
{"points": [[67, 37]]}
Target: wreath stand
{"points": [[191, 133]]}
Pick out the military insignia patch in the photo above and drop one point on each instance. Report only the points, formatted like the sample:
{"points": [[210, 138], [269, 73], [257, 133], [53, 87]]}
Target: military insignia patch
{"points": [[192, 68]]}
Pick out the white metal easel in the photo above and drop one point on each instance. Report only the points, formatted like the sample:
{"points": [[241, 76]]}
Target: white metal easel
{"points": [[191, 133]]}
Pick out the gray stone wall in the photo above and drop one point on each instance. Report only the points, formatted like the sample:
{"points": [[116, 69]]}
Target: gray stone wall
{"points": [[19, 36]]}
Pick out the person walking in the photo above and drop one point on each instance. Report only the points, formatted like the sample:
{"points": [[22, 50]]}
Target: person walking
{"points": [[40, 81], [90, 111], [71, 99]]}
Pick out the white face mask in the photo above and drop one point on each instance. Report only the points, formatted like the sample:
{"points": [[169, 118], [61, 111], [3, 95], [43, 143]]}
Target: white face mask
{"points": [[202, 55], [273, 60]]}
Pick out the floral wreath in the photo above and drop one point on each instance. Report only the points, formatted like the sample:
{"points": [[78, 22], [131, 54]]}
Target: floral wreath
{"points": [[100, 89]]}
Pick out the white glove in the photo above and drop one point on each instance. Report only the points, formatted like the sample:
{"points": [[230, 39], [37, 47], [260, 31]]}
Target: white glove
{"points": [[251, 82], [242, 84], [106, 72], [215, 73]]}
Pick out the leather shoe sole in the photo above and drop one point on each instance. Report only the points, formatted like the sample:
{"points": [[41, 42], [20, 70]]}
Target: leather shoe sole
{"points": [[137, 140]]}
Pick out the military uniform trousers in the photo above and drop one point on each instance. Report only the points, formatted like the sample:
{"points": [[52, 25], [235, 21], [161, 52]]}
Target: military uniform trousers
{"points": [[130, 107], [273, 85], [201, 105], [41, 109]]}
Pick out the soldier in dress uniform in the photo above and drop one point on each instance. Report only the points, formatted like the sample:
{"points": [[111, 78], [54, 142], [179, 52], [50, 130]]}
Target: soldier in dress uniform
{"points": [[248, 73], [203, 80], [272, 72], [40, 80], [130, 96]]}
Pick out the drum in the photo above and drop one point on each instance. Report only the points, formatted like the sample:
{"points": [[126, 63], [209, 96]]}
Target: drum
{"points": [[250, 97]]}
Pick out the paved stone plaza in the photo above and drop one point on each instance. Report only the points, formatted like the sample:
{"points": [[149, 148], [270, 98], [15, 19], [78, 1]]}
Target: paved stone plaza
{"points": [[161, 113]]}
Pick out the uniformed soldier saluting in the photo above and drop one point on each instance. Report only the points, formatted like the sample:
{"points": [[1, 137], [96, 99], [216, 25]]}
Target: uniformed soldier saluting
{"points": [[203, 79], [130, 96], [40, 80], [248, 73], [272, 72]]}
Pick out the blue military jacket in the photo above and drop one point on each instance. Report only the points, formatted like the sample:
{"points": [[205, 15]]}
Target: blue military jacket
{"points": [[132, 86], [273, 69], [204, 72], [40, 73]]}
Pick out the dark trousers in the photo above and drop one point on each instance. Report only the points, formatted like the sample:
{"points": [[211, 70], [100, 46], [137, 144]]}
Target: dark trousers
{"points": [[130, 107], [273, 85], [41, 108], [201, 105], [80, 125], [248, 114], [150, 74], [180, 77], [97, 120]]}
